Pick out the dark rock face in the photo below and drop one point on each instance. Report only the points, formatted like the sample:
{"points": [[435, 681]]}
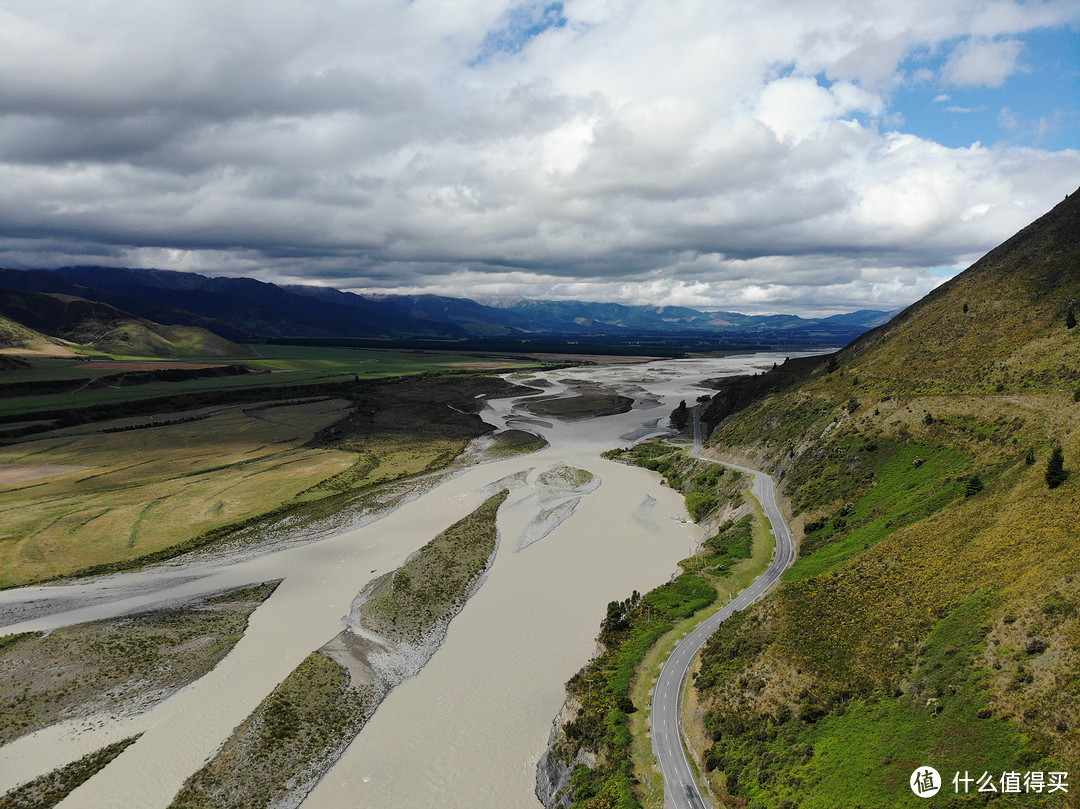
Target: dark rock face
{"points": [[736, 393], [552, 773], [553, 782]]}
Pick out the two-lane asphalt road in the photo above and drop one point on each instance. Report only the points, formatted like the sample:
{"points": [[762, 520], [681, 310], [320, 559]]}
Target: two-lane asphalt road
{"points": [[680, 788]]}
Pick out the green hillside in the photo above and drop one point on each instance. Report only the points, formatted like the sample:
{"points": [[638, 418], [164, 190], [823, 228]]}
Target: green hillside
{"points": [[15, 334], [100, 327], [932, 618]]}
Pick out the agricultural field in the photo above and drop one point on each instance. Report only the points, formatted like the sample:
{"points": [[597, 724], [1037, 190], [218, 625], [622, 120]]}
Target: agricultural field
{"points": [[268, 366], [139, 491], [110, 485]]}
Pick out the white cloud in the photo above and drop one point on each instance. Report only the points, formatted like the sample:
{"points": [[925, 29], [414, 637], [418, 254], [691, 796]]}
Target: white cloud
{"points": [[982, 63], [701, 153]]}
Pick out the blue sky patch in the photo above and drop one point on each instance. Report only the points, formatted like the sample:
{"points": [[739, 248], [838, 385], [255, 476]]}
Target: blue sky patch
{"points": [[518, 26], [1037, 106]]}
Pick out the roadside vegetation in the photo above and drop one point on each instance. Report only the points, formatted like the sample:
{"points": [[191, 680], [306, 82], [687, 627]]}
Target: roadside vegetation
{"points": [[125, 664], [932, 616], [606, 742], [710, 490], [602, 725]]}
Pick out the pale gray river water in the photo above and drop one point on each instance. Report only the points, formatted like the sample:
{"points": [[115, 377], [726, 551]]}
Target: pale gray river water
{"points": [[467, 731]]}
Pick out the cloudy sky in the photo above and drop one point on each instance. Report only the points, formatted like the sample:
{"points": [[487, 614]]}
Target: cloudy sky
{"points": [[807, 156]]}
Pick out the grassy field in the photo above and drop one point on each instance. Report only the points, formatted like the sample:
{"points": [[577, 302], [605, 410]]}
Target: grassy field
{"points": [[276, 366], [142, 491], [115, 664], [151, 482]]}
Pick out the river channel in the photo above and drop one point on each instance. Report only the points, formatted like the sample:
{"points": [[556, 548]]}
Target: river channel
{"points": [[468, 730]]}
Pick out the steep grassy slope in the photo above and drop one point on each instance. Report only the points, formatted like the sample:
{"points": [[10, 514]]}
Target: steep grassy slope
{"points": [[13, 334], [1000, 325], [105, 328], [932, 618]]}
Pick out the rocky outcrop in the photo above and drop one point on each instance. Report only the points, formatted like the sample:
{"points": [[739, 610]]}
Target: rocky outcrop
{"points": [[552, 772], [735, 393], [553, 782]]}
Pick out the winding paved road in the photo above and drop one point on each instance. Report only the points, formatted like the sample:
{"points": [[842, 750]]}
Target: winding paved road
{"points": [[680, 788]]}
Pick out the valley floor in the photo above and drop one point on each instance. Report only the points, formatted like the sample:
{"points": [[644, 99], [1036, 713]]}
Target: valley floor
{"points": [[527, 628]]}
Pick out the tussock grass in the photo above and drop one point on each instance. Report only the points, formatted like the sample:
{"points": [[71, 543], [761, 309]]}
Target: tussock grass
{"points": [[48, 790], [408, 603], [286, 744]]}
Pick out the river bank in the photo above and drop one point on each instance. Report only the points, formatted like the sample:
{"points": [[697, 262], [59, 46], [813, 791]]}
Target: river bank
{"points": [[480, 711]]}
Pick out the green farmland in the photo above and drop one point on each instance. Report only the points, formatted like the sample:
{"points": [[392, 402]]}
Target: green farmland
{"points": [[271, 366]]}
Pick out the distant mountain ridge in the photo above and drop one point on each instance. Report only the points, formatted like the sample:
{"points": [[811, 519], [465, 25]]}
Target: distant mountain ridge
{"points": [[245, 309]]}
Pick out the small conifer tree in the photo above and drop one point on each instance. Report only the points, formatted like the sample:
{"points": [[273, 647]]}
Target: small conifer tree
{"points": [[1055, 469]]}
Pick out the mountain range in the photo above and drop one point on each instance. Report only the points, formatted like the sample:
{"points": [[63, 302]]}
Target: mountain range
{"points": [[247, 310]]}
